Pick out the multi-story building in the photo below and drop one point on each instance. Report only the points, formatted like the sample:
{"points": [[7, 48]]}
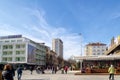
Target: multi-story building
{"points": [[114, 47], [51, 58], [95, 49], [16, 49], [57, 46]]}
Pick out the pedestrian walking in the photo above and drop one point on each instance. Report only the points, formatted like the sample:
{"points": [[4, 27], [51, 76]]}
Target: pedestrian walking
{"points": [[7, 74], [66, 69], [12, 71], [111, 71], [31, 69], [62, 70], [19, 72], [53, 69], [38, 70]]}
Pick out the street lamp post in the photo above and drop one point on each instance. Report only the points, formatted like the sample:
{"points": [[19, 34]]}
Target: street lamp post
{"points": [[81, 51], [81, 43]]}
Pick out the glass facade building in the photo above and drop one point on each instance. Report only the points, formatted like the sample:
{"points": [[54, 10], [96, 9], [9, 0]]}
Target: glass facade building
{"points": [[18, 49]]}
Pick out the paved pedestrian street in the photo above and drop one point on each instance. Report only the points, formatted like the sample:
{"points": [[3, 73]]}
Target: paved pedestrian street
{"points": [[58, 76]]}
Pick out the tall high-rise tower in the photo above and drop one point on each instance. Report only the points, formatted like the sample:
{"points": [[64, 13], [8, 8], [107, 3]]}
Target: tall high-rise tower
{"points": [[57, 46]]}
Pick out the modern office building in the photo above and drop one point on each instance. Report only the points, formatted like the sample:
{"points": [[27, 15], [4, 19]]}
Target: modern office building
{"points": [[57, 46], [95, 49], [16, 49]]}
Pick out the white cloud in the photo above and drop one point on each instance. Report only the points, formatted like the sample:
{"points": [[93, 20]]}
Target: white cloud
{"points": [[44, 32], [114, 15]]}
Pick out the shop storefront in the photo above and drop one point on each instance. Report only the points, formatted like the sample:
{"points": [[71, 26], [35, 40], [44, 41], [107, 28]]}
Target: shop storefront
{"points": [[98, 64]]}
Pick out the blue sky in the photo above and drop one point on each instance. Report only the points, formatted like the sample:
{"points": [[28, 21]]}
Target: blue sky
{"points": [[43, 20]]}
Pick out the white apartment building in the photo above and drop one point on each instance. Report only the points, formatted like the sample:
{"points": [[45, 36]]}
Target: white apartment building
{"points": [[17, 49], [57, 46], [95, 49]]}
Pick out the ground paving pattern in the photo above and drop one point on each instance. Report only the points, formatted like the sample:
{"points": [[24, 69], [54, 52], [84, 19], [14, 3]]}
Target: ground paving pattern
{"points": [[58, 76]]}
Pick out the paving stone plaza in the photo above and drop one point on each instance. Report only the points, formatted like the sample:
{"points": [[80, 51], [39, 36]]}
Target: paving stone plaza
{"points": [[58, 76]]}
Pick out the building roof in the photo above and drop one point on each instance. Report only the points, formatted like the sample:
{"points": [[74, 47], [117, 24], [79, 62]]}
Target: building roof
{"points": [[96, 44], [103, 57]]}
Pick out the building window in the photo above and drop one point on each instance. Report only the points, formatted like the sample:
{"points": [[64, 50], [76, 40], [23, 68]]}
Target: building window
{"points": [[17, 52], [103, 50], [19, 40], [12, 40], [4, 59], [4, 53], [98, 53], [9, 59], [17, 46], [6, 41], [5, 47], [20, 52], [10, 46], [17, 59], [94, 54], [98, 50], [7, 53], [23, 46], [20, 59]]}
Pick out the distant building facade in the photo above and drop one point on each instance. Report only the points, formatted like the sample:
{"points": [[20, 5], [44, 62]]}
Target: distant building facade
{"points": [[57, 46], [95, 49], [114, 47], [17, 49]]}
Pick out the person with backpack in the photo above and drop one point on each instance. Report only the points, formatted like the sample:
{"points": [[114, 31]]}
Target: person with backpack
{"points": [[19, 73], [6, 73]]}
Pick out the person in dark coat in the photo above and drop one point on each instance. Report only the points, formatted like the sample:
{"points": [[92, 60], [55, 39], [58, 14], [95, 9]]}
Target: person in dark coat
{"points": [[7, 73], [31, 69], [19, 73], [12, 71]]}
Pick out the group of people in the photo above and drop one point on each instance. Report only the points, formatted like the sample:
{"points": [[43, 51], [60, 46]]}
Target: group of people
{"points": [[8, 72]]}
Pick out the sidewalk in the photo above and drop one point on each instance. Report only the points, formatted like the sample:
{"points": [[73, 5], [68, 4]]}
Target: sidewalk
{"points": [[58, 76], [79, 73]]}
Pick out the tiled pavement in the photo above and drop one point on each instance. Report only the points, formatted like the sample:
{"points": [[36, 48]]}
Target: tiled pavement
{"points": [[58, 76]]}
